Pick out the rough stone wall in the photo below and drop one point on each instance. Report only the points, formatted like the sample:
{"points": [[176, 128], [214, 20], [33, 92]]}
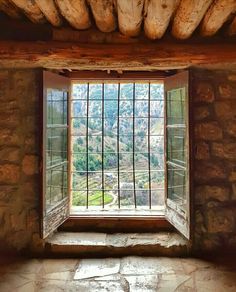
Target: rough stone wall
{"points": [[19, 189], [214, 101]]}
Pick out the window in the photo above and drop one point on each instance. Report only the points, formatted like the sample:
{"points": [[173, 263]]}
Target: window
{"points": [[119, 147]]}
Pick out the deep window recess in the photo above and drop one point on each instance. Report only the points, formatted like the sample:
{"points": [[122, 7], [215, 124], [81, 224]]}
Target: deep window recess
{"points": [[117, 147]]}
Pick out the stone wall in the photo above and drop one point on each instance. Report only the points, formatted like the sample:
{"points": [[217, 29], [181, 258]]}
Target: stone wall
{"points": [[214, 102], [19, 188]]}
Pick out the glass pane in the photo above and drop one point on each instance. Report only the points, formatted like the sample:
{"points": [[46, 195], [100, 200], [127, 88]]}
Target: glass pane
{"points": [[110, 161], [141, 127], [79, 198], [79, 91], [94, 126], [141, 90], [141, 144], [95, 144], [56, 181], [126, 126], [142, 180], [126, 160], [126, 108], [95, 181], [176, 106], [56, 107], [79, 144], [157, 109], [141, 161], [110, 127], [79, 126], [142, 198], [176, 184], [110, 144], [79, 180], [79, 108], [95, 108], [156, 126], [95, 91], [126, 90], [127, 179], [157, 179], [79, 162], [110, 109], [126, 143], [158, 198], [110, 91], [56, 147], [141, 108], [176, 145], [94, 162], [156, 160], [111, 180], [157, 91]]}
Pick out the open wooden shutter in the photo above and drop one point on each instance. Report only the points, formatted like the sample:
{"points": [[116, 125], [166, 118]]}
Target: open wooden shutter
{"points": [[55, 194], [177, 152]]}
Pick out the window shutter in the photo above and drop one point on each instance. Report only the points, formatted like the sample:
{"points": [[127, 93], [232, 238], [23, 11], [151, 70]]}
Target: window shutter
{"points": [[55, 201], [177, 156]]}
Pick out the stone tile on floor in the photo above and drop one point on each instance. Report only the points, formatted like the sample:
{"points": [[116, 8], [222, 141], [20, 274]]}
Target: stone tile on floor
{"points": [[100, 267]]}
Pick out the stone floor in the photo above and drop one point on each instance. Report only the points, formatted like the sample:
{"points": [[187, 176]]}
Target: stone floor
{"points": [[139, 274]]}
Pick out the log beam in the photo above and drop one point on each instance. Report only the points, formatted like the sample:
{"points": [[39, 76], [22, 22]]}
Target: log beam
{"points": [[50, 11], [157, 17], [130, 16], [104, 14], [216, 16], [75, 12], [188, 16], [10, 9], [31, 10], [160, 56]]}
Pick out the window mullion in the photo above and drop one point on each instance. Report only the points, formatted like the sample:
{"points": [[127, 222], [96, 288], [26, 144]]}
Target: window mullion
{"points": [[103, 182], [87, 145], [135, 201], [118, 144], [149, 146]]}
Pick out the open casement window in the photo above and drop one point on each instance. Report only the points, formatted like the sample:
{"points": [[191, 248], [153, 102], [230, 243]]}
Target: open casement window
{"points": [[177, 152], [55, 192]]}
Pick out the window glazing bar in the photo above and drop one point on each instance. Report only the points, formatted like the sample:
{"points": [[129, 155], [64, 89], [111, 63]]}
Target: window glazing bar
{"points": [[135, 202]]}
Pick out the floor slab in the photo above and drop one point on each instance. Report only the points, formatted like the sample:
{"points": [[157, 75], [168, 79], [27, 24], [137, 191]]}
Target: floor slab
{"points": [[127, 274]]}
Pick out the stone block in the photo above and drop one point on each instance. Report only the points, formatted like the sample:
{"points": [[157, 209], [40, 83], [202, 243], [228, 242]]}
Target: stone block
{"points": [[225, 110], [233, 197], [208, 192], [225, 90], [11, 154], [9, 174], [204, 92], [220, 220], [224, 150], [30, 165], [9, 137], [209, 171], [202, 151], [232, 176], [230, 128], [201, 112], [209, 131]]}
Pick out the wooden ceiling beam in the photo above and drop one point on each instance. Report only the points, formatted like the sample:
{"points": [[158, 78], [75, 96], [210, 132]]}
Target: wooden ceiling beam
{"points": [[75, 12], [188, 16], [50, 11], [157, 15], [216, 16], [10, 9], [104, 14], [154, 56], [130, 16], [30, 9]]}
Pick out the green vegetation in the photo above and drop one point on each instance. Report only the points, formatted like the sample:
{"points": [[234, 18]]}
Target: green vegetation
{"points": [[95, 199]]}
